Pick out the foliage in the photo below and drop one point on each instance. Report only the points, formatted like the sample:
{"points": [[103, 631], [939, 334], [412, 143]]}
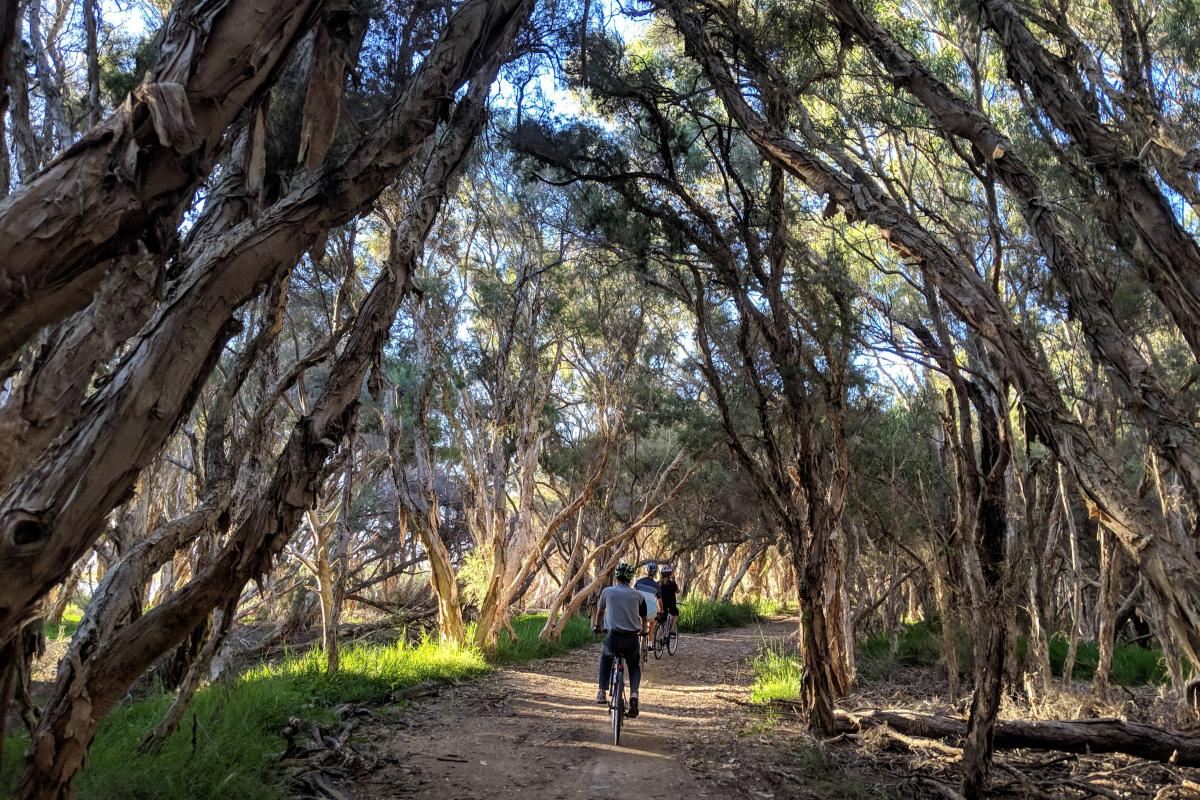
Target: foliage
{"points": [[236, 725], [777, 672], [1132, 665], [65, 627], [474, 574], [697, 615], [918, 644], [528, 646]]}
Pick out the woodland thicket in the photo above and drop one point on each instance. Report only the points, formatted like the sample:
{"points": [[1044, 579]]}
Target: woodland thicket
{"points": [[888, 309]]}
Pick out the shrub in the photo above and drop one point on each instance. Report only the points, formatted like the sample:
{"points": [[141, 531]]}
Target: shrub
{"points": [[697, 615], [777, 673]]}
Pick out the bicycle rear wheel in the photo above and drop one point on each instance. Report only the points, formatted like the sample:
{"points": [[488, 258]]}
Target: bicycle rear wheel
{"points": [[672, 642], [617, 705], [659, 643]]}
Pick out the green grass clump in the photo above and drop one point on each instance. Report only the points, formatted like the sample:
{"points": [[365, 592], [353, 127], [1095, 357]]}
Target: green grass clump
{"points": [[697, 615], [1132, 665], [777, 672], [237, 724], [65, 627], [528, 646], [918, 644]]}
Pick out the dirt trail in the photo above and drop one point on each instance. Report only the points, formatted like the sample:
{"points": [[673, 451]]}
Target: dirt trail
{"points": [[534, 732]]}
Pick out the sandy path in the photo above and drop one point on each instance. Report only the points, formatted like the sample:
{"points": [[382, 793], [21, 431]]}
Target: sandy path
{"points": [[534, 732]]}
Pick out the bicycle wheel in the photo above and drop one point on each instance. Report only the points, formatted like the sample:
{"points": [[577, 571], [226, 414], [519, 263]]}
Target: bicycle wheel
{"points": [[672, 642], [658, 644], [617, 705]]}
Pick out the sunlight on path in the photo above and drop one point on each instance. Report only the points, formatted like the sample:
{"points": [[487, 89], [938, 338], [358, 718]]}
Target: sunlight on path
{"points": [[535, 732]]}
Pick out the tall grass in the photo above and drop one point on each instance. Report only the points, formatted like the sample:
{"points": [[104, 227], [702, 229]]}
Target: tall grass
{"points": [[224, 747], [777, 673], [697, 614], [528, 646], [1132, 665], [777, 668]]}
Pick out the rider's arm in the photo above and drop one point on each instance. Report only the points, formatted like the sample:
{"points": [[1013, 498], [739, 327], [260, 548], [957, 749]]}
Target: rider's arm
{"points": [[642, 612]]}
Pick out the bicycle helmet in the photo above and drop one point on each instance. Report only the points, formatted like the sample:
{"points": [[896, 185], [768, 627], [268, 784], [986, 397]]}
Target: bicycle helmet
{"points": [[651, 567], [667, 569], [625, 571]]}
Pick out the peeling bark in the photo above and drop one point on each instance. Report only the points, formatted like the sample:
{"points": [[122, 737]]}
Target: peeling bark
{"points": [[1169, 258], [1172, 572], [64, 735], [129, 179], [52, 392], [55, 510]]}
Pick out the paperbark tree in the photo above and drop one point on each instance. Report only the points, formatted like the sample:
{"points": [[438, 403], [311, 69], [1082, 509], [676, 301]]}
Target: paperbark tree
{"points": [[1166, 254], [1171, 571], [130, 179], [62, 738], [54, 511]]}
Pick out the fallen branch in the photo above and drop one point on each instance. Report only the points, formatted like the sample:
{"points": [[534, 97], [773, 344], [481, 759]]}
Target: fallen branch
{"points": [[1105, 735]]}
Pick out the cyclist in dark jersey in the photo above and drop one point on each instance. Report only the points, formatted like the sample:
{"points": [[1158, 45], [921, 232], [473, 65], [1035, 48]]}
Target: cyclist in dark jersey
{"points": [[668, 595], [648, 586]]}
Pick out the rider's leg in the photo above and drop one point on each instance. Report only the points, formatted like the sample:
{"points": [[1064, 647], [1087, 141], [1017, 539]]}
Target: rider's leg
{"points": [[635, 670], [606, 665]]}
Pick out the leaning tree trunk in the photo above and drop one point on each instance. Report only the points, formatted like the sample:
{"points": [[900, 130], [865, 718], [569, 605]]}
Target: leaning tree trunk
{"points": [[747, 562], [132, 177], [1172, 572], [60, 743], [57, 509], [197, 670]]}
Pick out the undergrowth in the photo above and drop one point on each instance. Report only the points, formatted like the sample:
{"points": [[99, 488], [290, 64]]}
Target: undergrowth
{"points": [[528, 646], [225, 745], [778, 668], [698, 615], [777, 673]]}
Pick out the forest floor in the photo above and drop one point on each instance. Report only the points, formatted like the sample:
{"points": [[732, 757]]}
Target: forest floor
{"points": [[534, 732]]}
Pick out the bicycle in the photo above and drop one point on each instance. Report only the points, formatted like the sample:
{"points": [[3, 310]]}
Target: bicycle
{"points": [[618, 705], [665, 638]]}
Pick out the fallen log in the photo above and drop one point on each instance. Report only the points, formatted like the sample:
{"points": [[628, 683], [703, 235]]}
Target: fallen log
{"points": [[1103, 735]]}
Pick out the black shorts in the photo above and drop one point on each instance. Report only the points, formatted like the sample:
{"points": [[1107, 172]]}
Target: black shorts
{"points": [[668, 611]]}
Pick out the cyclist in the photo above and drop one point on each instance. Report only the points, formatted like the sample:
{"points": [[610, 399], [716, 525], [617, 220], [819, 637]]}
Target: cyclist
{"points": [[648, 586], [623, 610], [668, 596]]}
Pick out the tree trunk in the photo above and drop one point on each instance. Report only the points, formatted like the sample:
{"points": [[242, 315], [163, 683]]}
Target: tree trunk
{"points": [[56, 510], [215, 59], [718, 579], [60, 743], [949, 622], [1165, 252], [1073, 635], [1069, 736], [754, 554], [197, 671], [1172, 572], [1106, 611]]}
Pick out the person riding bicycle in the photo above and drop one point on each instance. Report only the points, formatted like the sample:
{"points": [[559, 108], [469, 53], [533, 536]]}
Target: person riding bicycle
{"points": [[648, 586], [623, 610], [668, 596]]}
